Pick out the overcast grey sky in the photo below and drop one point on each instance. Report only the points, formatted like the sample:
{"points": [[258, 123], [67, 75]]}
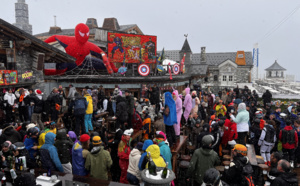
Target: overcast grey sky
{"points": [[220, 25]]}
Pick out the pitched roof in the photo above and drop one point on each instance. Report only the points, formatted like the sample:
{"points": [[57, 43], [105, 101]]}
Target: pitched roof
{"points": [[126, 27], [217, 58], [14, 31], [198, 69], [186, 47], [66, 32], [171, 54], [275, 66]]}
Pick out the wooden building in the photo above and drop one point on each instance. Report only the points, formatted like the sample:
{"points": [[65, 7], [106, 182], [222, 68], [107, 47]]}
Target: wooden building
{"points": [[22, 58]]}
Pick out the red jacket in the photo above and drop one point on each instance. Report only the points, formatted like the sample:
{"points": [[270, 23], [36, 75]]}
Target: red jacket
{"points": [[123, 153], [262, 124], [287, 145], [230, 131]]}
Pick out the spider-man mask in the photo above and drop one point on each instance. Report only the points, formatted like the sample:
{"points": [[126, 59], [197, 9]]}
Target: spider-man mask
{"points": [[82, 33]]}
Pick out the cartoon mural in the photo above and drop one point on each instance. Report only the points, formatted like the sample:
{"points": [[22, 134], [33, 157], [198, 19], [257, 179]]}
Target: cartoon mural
{"points": [[135, 48], [8, 77]]}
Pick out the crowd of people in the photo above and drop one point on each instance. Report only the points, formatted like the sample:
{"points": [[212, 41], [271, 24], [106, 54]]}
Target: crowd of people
{"points": [[66, 130]]}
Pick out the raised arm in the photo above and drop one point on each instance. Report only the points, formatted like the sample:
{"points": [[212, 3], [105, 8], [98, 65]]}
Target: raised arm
{"points": [[63, 40], [96, 51]]}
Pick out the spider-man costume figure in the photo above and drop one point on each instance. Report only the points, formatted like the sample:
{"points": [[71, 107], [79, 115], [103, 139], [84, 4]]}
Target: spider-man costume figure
{"points": [[79, 47]]}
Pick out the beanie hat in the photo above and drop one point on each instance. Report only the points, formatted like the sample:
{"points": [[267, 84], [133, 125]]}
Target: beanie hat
{"points": [[241, 149], [139, 146], [6, 144], [160, 137], [84, 138], [207, 140], [163, 134], [97, 140], [37, 91], [128, 132]]}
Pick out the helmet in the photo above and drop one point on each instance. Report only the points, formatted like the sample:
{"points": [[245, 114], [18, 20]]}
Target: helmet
{"points": [[32, 131], [212, 177], [221, 123], [215, 126], [241, 149], [207, 140]]}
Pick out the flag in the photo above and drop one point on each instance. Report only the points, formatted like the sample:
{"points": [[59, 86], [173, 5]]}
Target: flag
{"points": [[169, 67], [141, 60], [182, 63], [162, 56]]}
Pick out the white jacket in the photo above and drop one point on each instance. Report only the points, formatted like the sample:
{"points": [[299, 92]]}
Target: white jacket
{"points": [[134, 159], [10, 97], [72, 92]]}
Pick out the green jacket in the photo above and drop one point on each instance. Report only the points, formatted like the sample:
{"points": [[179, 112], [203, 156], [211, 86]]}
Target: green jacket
{"points": [[98, 162], [202, 160]]}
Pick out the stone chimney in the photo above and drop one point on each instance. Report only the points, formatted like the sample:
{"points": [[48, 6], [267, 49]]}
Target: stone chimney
{"points": [[55, 30], [203, 55], [111, 24], [22, 18], [92, 23]]}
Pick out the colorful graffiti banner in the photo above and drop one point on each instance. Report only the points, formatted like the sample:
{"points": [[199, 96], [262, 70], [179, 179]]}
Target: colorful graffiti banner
{"points": [[134, 48], [27, 75], [8, 77]]}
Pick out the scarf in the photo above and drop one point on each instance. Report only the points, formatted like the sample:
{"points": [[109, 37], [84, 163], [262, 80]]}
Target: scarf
{"points": [[21, 98]]}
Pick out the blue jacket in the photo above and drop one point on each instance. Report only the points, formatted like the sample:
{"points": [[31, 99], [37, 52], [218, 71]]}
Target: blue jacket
{"points": [[49, 145], [282, 122], [166, 153], [147, 143], [29, 143], [78, 162], [80, 106], [171, 119]]}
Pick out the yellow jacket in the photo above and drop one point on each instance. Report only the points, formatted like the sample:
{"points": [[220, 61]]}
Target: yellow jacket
{"points": [[53, 131], [89, 99], [41, 140], [155, 154], [221, 109]]}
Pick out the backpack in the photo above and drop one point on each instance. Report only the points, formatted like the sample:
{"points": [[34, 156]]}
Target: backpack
{"points": [[46, 160], [136, 121], [247, 172], [288, 136], [167, 111], [270, 133]]}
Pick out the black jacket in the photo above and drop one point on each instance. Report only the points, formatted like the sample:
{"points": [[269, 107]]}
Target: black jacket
{"points": [[38, 105], [130, 104], [53, 99], [285, 178], [121, 111], [30, 98], [64, 146], [154, 96], [267, 96], [10, 134], [235, 174]]}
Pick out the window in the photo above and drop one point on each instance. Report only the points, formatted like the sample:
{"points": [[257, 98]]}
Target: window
{"points": [[230, 78], [224, 78], [215, 78]]}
